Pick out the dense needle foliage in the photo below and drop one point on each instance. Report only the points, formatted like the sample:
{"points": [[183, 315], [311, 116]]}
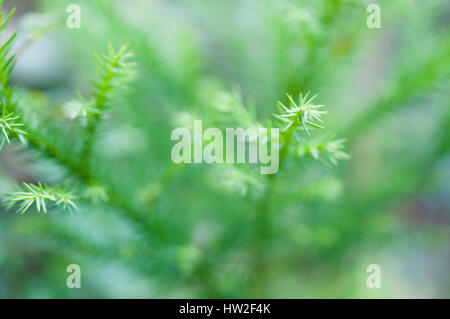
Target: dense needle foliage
{"points": [[85, 151]]}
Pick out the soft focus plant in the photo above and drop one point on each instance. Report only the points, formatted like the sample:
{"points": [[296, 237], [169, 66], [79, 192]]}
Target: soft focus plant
{"points": [[96, 156]]}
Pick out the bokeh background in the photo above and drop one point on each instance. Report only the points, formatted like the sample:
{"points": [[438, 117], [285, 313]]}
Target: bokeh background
{"points": [[386, 91]]}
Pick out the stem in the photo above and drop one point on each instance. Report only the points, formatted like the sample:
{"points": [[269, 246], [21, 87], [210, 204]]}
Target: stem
{"points": [[115, 199], [91, 132], [263, 231]]}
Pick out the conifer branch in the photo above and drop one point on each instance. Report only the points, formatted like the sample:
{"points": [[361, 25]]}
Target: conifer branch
{"points": [[114, 68], [39, 195], [10, 126], [7, 60], [296, 117], [332, 148], [300, 116]]}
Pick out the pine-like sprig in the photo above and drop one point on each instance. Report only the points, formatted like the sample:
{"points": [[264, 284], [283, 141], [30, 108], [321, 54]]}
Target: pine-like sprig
{"points": [[328, 147], [7, 60], [39, 195], [114, 69], [301, 115], [10, 122], [10, 126]]}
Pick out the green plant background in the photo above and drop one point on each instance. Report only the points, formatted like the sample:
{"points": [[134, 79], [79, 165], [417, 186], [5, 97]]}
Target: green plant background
{"points": [[208, 230]]}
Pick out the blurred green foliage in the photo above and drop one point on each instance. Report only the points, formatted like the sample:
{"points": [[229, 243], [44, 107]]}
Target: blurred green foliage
{"points": [[218, 231]]}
